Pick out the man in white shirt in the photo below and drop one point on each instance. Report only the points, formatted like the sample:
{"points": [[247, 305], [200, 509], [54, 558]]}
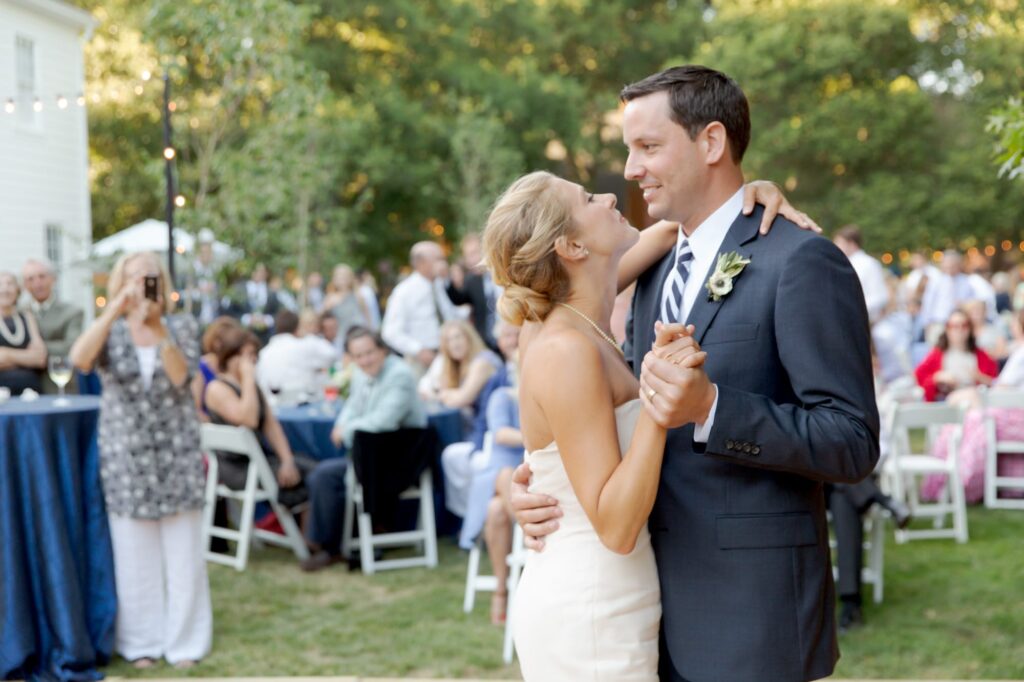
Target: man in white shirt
{"points": [[418, 307], [944, 293], [869, 270], [293, 364]]}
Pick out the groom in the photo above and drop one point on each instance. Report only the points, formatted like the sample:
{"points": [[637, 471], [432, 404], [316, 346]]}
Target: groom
{"points": [[784, 403]]}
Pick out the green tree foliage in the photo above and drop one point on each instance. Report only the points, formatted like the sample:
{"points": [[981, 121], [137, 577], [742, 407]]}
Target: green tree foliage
{"points": [[841, 119], [1007, 123], [315, 131]]}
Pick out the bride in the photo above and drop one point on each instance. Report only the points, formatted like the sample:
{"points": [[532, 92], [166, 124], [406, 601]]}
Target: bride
{"points": [[588, 607]]}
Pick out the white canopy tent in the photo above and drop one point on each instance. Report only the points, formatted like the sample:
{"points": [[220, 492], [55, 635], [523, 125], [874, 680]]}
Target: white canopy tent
{"points": [[151, 235]]}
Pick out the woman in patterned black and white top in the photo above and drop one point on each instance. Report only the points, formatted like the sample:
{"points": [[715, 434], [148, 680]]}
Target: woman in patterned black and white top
{"points": [[151, 466]]}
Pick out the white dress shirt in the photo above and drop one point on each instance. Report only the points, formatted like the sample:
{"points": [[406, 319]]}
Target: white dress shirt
{"points": [[410, 320], [872, 281], [294, 364], [705, 241], [942, 295]]}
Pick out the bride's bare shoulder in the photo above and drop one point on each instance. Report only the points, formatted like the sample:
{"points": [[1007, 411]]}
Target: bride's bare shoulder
{"points": [[559, 350]]}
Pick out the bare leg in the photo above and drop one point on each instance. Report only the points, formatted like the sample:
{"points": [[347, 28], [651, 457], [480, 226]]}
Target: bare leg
{"points": [[498, 536]]}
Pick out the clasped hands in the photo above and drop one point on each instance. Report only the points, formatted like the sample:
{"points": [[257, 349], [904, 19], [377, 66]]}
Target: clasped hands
{"points": [[674, 387]]}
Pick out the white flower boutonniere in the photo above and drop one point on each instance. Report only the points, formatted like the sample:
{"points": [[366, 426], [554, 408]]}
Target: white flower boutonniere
{"points": [[729, 266]]}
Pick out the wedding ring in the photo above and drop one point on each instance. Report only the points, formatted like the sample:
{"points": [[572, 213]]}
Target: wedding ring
{"points": [[651, 393]]}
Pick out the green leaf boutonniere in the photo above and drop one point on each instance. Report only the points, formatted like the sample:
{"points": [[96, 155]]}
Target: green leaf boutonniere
{"points": [[729, 266]]}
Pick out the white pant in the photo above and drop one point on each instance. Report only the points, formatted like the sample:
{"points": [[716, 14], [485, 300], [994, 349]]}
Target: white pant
{"points": [[459, 461], [163, 594]]}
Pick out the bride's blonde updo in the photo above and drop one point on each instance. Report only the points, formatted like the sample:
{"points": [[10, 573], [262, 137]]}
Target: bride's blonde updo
{"points": [[519, 247]]}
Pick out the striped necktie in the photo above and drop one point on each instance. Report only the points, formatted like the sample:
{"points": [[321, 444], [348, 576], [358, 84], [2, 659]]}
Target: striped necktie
{"points": [[672, 294]]}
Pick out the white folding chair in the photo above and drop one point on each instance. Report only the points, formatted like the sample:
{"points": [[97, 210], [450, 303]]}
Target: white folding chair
{"points": [[904, 468], [994, 483], [260, 486], [424, 537], [515, 560]]}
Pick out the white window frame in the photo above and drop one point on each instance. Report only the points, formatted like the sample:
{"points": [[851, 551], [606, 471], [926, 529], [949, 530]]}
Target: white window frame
{"points": [[26, 81]]}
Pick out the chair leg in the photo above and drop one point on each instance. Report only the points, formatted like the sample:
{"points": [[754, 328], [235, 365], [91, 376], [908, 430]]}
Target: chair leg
{"points": [[876, 557], [991, 463], [959, 507], [210, 501], [427, 519], [349, 518], [365, 540], [471, 574], [291, 530], [245, 524]]}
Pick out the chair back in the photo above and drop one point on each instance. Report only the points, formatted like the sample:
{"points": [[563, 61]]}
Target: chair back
{"points": [[238, 440], [1005, 399]]}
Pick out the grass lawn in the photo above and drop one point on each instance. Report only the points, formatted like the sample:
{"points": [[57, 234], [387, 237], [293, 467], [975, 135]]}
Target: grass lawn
{"points": [[950, 612]]}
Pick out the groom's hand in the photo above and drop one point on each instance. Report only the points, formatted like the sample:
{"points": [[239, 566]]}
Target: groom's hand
{"points": [[677, 394], [536, 514]]}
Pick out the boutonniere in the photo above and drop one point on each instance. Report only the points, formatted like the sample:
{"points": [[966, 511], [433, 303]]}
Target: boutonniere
{"points": [[729, 266]]}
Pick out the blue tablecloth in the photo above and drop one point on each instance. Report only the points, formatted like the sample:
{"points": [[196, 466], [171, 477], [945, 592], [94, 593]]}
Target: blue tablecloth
{"points": [[57, 598], [308, 428]]}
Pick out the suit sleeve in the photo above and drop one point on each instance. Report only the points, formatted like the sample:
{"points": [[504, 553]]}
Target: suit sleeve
{"points": [[72, 329], [821, 328]]}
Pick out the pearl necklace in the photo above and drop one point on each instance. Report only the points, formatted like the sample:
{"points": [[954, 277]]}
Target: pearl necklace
{"points": [[593, 324], [15, 337]]}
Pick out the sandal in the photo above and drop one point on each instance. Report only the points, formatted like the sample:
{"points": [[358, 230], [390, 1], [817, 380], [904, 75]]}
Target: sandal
{"points": [[499, 603], [185, 664], [143, 663]]}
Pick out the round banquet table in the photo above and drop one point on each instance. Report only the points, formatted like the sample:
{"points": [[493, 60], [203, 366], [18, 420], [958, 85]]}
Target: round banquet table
{"points": [[57, 599]]}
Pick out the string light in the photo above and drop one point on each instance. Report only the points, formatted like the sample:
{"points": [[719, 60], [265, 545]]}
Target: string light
{"points": [[62, 102], [179, 201], [80, 100], [9, 106], [169, 153], [37, 105]]}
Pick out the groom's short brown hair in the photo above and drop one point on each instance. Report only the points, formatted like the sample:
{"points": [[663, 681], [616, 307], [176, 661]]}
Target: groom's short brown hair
{"points": [[698, 96]]}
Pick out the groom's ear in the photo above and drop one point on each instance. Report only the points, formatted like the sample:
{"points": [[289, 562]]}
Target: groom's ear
{"points": [[714, 142]]}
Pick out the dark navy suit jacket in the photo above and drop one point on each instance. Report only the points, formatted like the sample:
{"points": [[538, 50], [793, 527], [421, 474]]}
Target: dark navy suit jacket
{"points": [[739, 525]]}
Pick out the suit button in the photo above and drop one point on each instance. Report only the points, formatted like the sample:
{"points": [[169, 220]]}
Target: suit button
{"points": [[756, 450], [730, 445], [746, 448]]}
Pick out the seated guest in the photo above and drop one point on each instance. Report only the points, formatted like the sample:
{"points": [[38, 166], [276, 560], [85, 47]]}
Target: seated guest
{"points": [[309, 323], [329, 329], [291, 363], [488, 493], [956, 362], [344, 302], [59, 323], [991, 337], [461, 369], [208, 366], [457, 379], [383, 399], [22, 351], [233, 398]]}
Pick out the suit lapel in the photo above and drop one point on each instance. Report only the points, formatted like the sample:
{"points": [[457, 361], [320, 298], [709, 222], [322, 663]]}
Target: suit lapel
{"points": [[652, 311], [742, 230]]}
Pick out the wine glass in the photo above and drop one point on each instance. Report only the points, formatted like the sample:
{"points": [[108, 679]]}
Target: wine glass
{"points": [[60, 373]]}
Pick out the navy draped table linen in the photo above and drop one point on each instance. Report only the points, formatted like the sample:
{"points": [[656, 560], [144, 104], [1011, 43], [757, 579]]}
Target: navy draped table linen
{"points": [[58, 602]]}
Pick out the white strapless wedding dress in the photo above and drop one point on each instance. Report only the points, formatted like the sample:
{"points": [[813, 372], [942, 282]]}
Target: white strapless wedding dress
{"points": [[582, 612]]}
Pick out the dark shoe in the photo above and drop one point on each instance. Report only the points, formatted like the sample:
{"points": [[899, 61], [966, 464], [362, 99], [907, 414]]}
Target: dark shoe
{"points": [[319, 561], [901, 515], [850, 617]]}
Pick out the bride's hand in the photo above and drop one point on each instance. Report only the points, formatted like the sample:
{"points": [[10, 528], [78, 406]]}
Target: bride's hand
{"points": [[774, 201], [675, 343]]}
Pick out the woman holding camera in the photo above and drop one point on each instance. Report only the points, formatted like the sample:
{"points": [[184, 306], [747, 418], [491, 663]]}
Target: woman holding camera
{"points": [[151, 466]]}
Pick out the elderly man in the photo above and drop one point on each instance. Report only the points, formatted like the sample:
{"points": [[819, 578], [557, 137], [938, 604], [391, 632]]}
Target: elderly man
{"points": [[418, 307], [59, 323], [383, 399]]}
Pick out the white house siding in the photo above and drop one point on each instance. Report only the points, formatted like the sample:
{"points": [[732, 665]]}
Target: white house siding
{"points": [[44, 169]]}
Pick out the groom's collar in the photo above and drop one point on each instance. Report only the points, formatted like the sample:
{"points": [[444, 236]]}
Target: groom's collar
{"points": [[708, 236]]}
